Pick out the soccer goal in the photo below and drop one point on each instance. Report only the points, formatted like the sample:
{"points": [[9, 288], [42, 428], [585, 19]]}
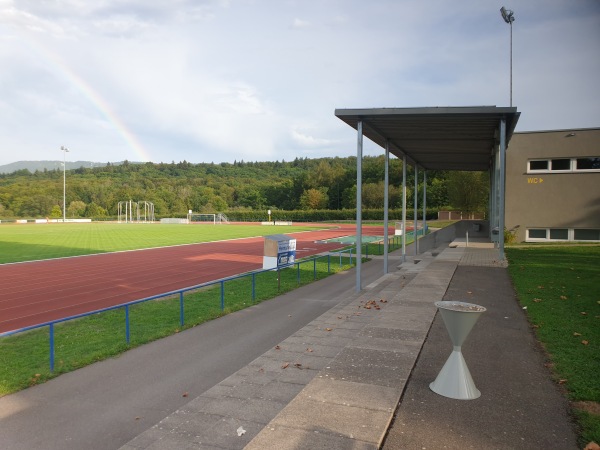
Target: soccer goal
{"points": [[135, 212], [202, 218], [215, 219]]}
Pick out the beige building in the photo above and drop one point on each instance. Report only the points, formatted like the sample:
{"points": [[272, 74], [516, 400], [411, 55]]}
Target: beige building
{"points": [[553, 185]]}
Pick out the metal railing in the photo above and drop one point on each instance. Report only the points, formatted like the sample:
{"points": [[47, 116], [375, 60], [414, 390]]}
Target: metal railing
{"points": [[376, 249], [180, 293]]}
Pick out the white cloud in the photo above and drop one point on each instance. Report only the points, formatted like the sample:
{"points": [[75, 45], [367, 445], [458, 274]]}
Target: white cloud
{"points": [[217, 80], [299, 23]]}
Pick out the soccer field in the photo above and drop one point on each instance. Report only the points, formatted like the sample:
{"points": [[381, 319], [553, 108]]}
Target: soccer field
{"points": [[32, 242]]}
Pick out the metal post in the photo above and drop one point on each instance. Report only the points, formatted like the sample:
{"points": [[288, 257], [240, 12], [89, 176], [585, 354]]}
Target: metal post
{"points": [[181, 318], [127, 324], [65, 150], [51, 347], [424, 202], [328, 263], [253, 286], [298, 275], [359, 152], [416, 211], [315, 268], [502, 182], [404, 208], [386, 206], [511, 64], [222, 295]]}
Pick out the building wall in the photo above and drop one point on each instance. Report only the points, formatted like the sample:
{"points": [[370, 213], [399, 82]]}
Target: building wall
{"points": [[552, 199]]}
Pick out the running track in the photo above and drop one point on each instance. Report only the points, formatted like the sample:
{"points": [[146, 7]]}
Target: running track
{"points": [[41, 291]]}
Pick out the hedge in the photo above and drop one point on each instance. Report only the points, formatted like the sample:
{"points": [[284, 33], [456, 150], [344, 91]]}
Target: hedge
{"points": [[324, 215]]}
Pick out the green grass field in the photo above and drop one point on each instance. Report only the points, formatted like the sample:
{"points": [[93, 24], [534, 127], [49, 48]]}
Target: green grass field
{"points": [[44, 241], [560, 287]]}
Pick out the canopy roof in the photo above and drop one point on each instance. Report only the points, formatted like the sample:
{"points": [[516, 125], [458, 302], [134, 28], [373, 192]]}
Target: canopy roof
{"points": [[437, 138]]}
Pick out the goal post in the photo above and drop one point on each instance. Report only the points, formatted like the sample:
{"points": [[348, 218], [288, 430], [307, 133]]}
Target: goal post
{"points": [[202, 218]]}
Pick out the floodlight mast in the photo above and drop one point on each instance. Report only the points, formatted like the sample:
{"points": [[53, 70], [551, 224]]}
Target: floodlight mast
{"points": [[65, 150], [509, 17]]}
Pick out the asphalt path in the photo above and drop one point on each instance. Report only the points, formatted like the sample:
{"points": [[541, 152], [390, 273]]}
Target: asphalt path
{"points": [[105, 405]]}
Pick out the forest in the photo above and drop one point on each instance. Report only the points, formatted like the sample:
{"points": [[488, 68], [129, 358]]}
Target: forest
{"points": [[237, 188]]}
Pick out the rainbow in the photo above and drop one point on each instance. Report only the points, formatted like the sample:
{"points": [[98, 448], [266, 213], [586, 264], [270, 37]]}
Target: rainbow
{"points": [[94, 97]]}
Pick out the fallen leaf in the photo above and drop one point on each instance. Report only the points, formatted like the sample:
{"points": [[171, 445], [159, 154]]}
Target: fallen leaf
{"points": [[563, 297], [285, 366], [298, 365], [584, 342], [277, 347], [537, 300], [592, 446], [576, 334], [385, 301], [562, 381], [524, 307], [138, 418], [583, 313], [540, 287], [309, 350], [185, 394], [469, 292], [328, 329]]}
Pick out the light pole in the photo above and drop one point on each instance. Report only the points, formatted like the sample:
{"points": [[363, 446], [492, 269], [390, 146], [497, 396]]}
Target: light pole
{"points": [[509, 17], [65, 150]]}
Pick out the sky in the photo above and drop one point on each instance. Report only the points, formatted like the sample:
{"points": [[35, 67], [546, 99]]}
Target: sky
{"points": [[259, 80]]}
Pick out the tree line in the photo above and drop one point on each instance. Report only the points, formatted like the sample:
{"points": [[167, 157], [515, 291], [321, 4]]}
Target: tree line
{"points": [[176, 188]]}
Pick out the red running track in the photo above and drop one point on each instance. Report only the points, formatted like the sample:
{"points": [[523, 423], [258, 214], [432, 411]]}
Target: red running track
{"points": [[42, 291]]}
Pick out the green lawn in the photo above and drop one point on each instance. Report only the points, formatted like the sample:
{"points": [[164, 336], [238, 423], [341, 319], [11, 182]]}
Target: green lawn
{"points": [[44, 241], [560, 287]]}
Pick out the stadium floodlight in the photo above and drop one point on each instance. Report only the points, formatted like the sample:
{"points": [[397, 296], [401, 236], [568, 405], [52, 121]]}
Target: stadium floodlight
{"points": [[65, 150], [509, 17]]}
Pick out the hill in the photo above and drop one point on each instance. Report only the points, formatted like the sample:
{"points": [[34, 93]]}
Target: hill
{"points": [[32, 166], [176, 188]]}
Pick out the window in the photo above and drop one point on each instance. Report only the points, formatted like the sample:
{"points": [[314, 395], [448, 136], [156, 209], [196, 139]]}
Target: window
{"points": [[587, 164], [535, 233], [583, 164], [562, 234], [559, 233], [538, 165], [560, 164], [587, 235]]}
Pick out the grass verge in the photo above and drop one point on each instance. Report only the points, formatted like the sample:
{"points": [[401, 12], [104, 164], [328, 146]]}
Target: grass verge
{"points": [[24, 358], [559, 287]]}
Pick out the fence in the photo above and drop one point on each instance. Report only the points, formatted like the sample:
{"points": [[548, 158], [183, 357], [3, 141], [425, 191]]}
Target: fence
{"points": [[201, 302]]}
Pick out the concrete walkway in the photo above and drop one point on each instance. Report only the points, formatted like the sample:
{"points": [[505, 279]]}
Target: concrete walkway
{"points": [[339, 382]]}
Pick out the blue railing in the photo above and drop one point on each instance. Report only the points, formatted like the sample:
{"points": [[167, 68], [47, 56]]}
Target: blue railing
{"points": [[180, 292]]}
